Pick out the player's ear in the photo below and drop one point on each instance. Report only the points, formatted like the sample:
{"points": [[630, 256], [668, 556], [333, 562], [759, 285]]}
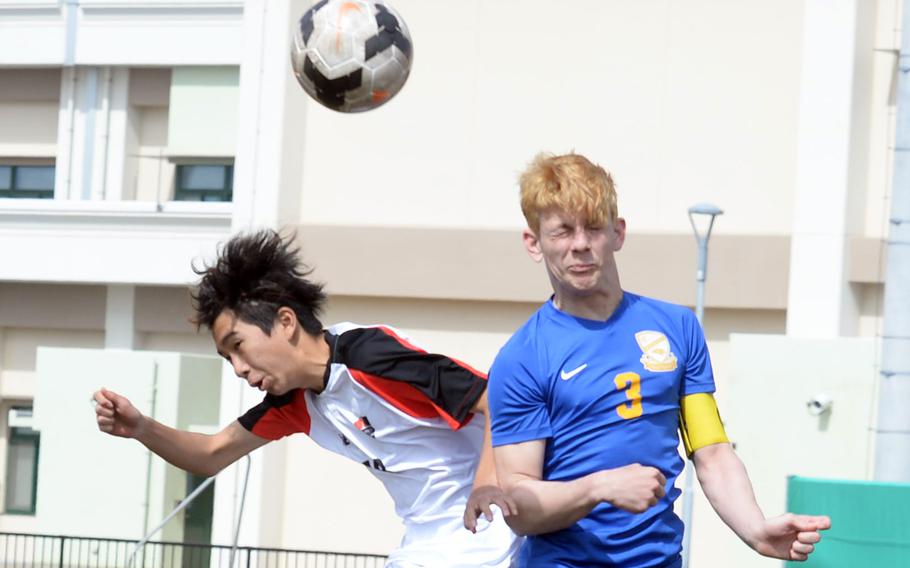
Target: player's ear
{"points": [[618, 226], [532, 245], [286, 321]]}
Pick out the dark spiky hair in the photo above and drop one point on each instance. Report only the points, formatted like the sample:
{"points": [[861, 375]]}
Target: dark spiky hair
{"points": [[255, 275]]}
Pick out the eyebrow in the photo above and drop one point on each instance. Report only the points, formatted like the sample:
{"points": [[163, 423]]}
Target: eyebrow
{"points": [[224, 340]]}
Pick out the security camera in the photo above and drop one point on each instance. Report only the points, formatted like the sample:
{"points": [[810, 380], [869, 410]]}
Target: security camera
{"points": [[819, 404]]}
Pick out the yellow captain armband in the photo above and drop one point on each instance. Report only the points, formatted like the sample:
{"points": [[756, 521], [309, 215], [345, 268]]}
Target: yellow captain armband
{"points": [[699, 422]]}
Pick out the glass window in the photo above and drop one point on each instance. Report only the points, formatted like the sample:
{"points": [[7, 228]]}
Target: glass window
{"points": [[22, 467], [33, 182], [35, 178], [6, 177], [204, 182]]}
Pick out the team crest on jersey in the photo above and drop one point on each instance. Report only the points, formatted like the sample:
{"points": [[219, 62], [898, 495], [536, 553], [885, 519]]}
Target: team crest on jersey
{"points": [[363, 424], [656, 353]]}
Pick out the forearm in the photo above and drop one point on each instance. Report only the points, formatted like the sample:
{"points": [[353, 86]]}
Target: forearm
{"points": [[189, 451], [548, 506], [726, 484], [486, 467]]}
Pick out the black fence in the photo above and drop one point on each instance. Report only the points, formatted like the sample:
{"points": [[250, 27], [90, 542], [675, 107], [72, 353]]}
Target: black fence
{"points": [[54, 551]]}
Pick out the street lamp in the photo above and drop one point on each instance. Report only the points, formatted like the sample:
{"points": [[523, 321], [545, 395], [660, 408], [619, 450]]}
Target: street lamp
{"points": [[701, 216]]}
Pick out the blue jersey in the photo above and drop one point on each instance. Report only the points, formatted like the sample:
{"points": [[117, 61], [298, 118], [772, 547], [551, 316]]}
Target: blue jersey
{"points": [[603, 395]]}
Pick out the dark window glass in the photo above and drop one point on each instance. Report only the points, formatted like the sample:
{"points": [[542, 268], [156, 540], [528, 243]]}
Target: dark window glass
{"points": [[6, 177], [22, 468], [35, 178], [204, 182], [33, 182]]}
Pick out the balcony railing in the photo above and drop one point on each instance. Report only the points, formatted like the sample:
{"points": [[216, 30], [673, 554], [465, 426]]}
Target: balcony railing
{"points": [[19, 550]]}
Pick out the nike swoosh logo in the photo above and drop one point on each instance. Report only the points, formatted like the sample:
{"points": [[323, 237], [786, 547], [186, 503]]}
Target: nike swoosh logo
{"points": [[566, 376]]}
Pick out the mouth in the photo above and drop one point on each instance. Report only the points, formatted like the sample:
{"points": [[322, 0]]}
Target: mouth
{"points": [[581, 268], [258, 383]]}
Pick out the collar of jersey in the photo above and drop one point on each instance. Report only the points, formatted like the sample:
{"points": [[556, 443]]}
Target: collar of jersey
{"points": [[558, 315], [332, 340]]}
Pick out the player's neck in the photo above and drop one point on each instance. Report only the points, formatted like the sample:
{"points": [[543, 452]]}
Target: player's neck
{"points": [[596, 305], [314, 351]]}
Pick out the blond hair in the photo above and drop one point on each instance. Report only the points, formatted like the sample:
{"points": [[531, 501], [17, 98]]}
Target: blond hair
{"points": [[569, 182]]}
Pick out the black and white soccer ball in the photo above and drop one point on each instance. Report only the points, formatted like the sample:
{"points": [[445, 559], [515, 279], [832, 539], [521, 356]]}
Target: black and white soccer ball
{"points": [[351, 55]]}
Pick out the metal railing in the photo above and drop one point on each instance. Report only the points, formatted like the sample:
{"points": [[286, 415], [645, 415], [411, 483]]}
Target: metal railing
{"points": [[18, 550]]}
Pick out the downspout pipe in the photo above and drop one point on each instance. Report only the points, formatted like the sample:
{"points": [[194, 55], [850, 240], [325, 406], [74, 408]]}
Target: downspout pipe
{"points": [[69, 65], [892, 434]]}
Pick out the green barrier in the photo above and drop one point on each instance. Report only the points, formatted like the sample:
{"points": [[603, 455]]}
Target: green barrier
{"points": [[870, 522]]}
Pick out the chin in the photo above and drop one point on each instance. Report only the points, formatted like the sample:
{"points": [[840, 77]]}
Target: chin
{"points": [[584, 286]]}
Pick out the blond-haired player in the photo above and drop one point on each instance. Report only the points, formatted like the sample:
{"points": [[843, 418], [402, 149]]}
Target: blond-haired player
{"points": [[588, 396]]}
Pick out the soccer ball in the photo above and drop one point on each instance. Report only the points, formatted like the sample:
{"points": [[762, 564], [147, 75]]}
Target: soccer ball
{"points": [[351, 55]]}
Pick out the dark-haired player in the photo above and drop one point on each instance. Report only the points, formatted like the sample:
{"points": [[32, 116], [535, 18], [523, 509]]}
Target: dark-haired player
{"points": [[367, 393]]}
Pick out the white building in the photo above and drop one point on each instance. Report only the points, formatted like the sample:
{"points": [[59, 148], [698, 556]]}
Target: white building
{"points": [[120, 114]]}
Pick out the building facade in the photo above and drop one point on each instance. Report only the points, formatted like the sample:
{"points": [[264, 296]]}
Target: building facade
{"points": [[135, 135]]}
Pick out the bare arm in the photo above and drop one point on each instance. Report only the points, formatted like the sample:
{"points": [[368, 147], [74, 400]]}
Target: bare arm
{"points": [[727, 487], [201, 454], [547, 506], [486, 490]]}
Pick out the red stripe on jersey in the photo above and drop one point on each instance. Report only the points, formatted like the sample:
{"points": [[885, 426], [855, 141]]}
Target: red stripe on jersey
{"points": [[405, 398], [413, 347], [280, 421]]}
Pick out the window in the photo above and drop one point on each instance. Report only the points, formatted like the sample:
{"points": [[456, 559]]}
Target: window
{"points": [[204, 182], [21, 463], [35, 182]]}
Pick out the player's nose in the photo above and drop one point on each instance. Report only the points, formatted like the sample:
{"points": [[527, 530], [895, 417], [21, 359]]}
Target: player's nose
{"points": [[580, 239], [241, 369]]}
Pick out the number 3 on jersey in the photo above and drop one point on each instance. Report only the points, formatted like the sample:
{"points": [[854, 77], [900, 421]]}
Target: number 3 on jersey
{"points": [[631, 383]]}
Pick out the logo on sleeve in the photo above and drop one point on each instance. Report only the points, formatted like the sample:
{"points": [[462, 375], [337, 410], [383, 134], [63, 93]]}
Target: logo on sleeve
{"points": [[656, 354]]}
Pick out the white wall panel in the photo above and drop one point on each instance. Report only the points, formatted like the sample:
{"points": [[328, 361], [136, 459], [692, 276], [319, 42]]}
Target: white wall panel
{"points": [[128, 242], [32, 33]]}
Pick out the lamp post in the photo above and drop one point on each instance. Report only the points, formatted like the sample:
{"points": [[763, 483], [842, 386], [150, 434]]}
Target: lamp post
{"points": [[704, 214]]}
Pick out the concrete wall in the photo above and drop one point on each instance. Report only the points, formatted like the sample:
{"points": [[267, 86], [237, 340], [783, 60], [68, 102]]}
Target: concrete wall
{"points": [[705, 110]]}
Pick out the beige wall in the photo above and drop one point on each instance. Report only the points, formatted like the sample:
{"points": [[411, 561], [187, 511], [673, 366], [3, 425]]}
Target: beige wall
{"points": [[29, 100], [29, 129], [707, 112], [33, 315], [20, 345], [154, 173]]}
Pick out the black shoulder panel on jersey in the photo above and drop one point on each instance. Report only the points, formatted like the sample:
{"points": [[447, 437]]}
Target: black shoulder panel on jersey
{"points": [[452, 386], [255, 414]]}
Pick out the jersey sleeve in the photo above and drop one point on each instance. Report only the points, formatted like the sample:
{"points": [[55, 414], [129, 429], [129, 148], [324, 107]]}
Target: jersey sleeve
{"points": [[517, 400], [421, 384], [699, 376], [278, 416]]}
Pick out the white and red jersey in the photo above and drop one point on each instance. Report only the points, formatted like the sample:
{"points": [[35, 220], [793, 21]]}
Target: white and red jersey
{"points": [[405, 414]]}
